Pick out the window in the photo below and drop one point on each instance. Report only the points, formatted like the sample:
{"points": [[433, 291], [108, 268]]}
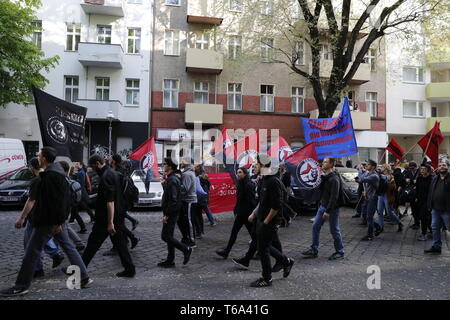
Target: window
{"points": [[134, 40], [299, 54], [104, 34], [73, 36], [325, 52], [199, 40], [297, 100], [434, 112], [351, 99], [171, 88], [236, 5], [201, 92], [132, 92], [266, 7], [266, 98], [371, 103], [234, 47], [370, 58], [413, 74], [37, 34], [71, 88], [102, 88], [267, 50], [172, 2], [235, 96], [172, 43], [412, 108]]}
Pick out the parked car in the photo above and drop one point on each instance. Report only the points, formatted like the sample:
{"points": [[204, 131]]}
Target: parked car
{"points": [[154, 196], [14, 190], [350, 185], [12, 157]]}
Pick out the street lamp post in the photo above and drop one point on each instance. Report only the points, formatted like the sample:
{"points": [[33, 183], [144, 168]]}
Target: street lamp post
{"points": [[110, 118]]}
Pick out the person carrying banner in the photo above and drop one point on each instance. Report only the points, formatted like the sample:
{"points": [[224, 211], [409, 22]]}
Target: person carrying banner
{"points": [[188, 197], [370, 180], [330, 188]]}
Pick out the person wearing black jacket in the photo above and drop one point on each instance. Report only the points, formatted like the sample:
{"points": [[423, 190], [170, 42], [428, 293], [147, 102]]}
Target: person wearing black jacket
{"points": [[109, 217], [400, 184], [422, 189], [245, 204], [410, 175], [330, 188], [48, 220], [171, 207]]}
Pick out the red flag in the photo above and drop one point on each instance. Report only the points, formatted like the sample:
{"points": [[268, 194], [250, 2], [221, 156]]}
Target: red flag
{"points": [[222, 142], [280, 148], [147, 157], [394, 148], [430, 144]]}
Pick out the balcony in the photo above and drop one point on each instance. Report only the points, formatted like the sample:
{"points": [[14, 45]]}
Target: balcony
{"points": [[103, 7], [100, 55], [438, 92], [444, 124], [361, 76], [206, 113], [204, 12], [361, 120], [99, 109], [204, 61]]}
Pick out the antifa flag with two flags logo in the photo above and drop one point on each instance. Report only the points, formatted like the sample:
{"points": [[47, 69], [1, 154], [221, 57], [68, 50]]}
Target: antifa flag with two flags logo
{"points": [[146, 155], [394, 148], [61, 123]]}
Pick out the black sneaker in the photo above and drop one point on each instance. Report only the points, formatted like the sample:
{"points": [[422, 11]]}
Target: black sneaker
{"points": [[336, 256], [166, 264], [310, 253], [134, 223], [367, 238], [85, 283], [38, 274], [126, 274], [433, 250], [378, 232], [134, 242], [243, 263], [187, 256], [13, 292], [191, 244], [222, 253], [287, 268], [277, 266], [261, 282], [57, 260], [80, 247]]}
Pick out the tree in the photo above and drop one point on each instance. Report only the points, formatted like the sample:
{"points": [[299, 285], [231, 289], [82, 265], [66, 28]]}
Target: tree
{"points": [[21, 62], [351, 28]]}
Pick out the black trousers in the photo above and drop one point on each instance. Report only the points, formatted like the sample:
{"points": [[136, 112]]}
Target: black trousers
{"points": [[239, 222], [85, 203], [184, 222], [197, 219], [275, 245], [167, 232], [98, 236], [75, 215], [424, 217], [415, 212], [266, 235], [130, 218]]}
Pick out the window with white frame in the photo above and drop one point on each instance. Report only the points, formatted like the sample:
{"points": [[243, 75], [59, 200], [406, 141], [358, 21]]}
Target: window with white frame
{"points": [[236, 5], [325, 52], [299, 54], [413, 74], [134, 40], [104, 34], [266, 7], [267, 53], [413, 108], [235, 96], [172, 43], [71, 84], [201, 40], [172, 2], [370, 58], [297, 100], [37, 34], [132, 91], [234, 47], [371, 103], [171, 89], [102, 88], [201, 92], [73, 36], [267, 98]]}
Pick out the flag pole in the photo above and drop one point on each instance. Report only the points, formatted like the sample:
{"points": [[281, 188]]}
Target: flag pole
{"points": [[384, 153]]}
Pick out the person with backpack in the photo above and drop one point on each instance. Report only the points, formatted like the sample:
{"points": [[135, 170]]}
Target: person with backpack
{"points": [[386, 198], [75, 202], [171, 206], [109, 217], [331, 189]]}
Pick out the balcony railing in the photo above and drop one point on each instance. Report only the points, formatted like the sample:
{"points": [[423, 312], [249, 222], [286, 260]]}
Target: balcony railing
{"points": [[438, 91], [100, 55], [206, 113], [99, 109], [204, 61], [204, 12], [103, 7]]}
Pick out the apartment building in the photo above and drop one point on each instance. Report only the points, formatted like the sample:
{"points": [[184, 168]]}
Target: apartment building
{"points": [[197, 77], [105, 65]]}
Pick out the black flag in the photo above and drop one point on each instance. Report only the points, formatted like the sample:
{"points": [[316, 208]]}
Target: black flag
{"points": [[61, 123]]}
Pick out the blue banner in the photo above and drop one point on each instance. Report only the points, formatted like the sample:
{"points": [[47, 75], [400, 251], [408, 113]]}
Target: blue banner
{"points": [[333, 137]]}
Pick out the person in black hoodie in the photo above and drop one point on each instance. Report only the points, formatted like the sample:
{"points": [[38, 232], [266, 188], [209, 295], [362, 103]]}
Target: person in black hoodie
{"points": [[422, 189], [245, 204], [171, 207], [48, 220]]}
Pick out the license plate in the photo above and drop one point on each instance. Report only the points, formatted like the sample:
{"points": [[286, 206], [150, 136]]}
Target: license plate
{"points": [[145, 201], [9, 199]]}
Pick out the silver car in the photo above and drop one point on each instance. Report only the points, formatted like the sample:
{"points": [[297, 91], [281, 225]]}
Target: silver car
{"points": [[151, 197]]}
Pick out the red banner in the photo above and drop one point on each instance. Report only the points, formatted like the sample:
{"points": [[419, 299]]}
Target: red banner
{"points": [[222, 197]]}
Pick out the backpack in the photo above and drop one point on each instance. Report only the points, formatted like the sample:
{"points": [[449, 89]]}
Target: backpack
{"points": [[75, 192], [130, 192], [382, 185]]}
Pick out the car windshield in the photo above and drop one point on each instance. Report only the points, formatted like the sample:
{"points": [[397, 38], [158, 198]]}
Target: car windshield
{"points": [[23, 175], [349, 176], [140, 175]]}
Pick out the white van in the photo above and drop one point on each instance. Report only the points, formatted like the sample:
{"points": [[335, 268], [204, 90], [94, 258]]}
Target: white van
{"points": [[12, 157]]}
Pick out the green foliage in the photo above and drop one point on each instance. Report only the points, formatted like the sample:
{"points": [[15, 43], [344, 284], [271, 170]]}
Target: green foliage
{"points": [[20, 60]]}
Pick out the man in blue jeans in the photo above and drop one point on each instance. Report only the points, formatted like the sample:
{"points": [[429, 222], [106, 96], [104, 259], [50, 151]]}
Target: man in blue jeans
{"points": [[330, 187], [370, 180], [439, 203]]}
